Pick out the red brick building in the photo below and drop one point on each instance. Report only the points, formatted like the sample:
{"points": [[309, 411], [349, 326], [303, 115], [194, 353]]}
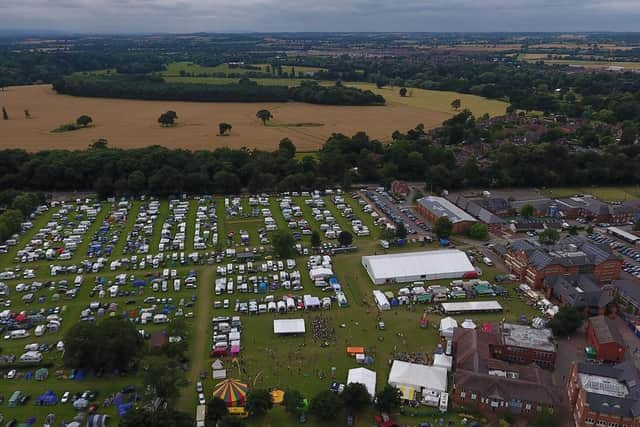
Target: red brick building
{"points": [[604, 395], [488, 384], [400, 189], [533, 262], [434, 208], [605, 338], [595, 210]]}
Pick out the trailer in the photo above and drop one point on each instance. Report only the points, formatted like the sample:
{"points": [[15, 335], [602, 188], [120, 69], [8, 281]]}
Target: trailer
{"points": [[201, 413]]}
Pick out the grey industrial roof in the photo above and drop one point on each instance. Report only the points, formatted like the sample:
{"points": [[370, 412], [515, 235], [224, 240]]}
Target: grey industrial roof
{"points": [[579, 290], [475, 209], [527, 337], [440, 206]]}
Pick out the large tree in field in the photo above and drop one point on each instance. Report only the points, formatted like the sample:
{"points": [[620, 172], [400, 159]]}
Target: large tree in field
{"points": [[258, 402], [345, 238], [283, 244], [456, 104], [388, 399], [168, 119], [223, 128], [137, 417], [264, 115], [111, 344], [162, 376], [443, 227], [325, 405], [403, 91], [355, 397], [84, 120], [216, 410]]}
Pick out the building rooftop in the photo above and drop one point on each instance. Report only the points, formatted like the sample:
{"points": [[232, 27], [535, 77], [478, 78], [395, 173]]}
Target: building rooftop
{"points": [[604, 330], [528, 337], [611, 389], [429, 264], [442, 207]]}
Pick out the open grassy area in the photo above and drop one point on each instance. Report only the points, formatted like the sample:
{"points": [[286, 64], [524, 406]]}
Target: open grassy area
{"points": [[436, 100], [611, 194]]}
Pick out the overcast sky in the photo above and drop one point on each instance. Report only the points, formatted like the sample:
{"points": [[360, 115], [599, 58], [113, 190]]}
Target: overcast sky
{"points": [[180, 16]]}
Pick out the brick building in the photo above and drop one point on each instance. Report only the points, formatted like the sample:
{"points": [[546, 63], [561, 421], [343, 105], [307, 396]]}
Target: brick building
{"points": [[533, 262], [493, 222], [592, 209], [488, 384], [605, 338], [434, 208], [604, 395]]}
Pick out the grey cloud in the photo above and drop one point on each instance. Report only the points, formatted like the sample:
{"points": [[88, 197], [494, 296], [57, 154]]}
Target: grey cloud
{"points": [[320, 15]]}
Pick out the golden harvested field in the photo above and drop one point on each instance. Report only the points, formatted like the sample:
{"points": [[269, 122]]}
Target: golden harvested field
{"points": [[131, 123]]}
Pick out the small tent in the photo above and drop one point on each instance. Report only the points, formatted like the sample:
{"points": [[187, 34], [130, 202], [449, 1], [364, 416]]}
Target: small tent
{"points": [[468, 324], [443, 361], [447, 325]]}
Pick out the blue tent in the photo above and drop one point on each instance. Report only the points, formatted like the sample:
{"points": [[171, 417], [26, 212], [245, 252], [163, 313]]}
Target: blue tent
{"points": [[262, 287], [47, 398], [124, 408], [79, 375]]}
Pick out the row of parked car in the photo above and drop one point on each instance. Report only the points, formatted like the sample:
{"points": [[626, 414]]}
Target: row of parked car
{"points": [[633, 254]]}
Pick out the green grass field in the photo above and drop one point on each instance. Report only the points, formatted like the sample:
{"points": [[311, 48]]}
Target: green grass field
{"points": [[176, 68], [267, 361], [610, 194]]}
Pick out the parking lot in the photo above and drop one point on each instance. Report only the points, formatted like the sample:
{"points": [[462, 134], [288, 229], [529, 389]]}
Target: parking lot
{"points": [[390, 211], [631, 254]]}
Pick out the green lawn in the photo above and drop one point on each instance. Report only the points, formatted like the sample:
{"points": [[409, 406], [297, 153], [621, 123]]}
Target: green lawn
{"points": [[611, 194]]}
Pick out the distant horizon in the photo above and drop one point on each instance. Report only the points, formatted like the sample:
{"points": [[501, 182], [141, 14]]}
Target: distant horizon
{"points": [[57, 33], [111, 17]]}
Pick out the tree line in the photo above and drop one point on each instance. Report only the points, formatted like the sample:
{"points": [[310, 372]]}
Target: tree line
{"points": [[154, 88], [343, 160], [15, 207]]}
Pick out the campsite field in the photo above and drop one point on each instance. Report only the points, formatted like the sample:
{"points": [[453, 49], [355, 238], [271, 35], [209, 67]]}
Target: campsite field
{"points": [[133, 124], [304, 362]]}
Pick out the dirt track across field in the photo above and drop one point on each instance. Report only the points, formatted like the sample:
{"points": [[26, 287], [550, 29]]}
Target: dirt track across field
{"points": [[133, 124]]}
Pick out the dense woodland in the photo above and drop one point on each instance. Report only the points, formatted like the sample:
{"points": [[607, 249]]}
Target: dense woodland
{"points": [[153, 88], [342, 161]]}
